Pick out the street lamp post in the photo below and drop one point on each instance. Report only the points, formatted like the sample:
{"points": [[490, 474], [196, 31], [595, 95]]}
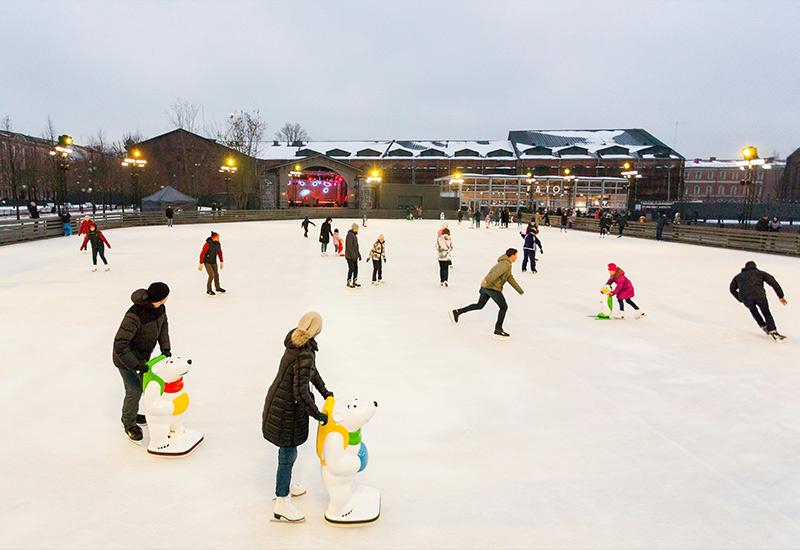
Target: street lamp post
{"points": [[750, 166], [633, 176], [136, 163], [373, 178], [61, 154], [228, 170]]}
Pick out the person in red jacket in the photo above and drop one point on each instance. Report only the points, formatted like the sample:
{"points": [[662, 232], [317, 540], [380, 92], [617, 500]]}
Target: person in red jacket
{"points": [[623, 290], [208, 258], [84, 227], [99, 242]]}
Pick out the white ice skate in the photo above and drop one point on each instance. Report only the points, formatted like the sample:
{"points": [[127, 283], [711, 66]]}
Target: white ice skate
{"points": [[640, 314], [297, 490], [108, 268], [285, 510], [94, 268], [619, 315]]}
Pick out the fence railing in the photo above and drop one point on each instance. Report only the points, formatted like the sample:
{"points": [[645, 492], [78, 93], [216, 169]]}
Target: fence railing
{"points": [[13, 231]]}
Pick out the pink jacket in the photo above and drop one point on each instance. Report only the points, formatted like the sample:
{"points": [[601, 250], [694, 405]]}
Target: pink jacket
{"points": [[623, 288]]}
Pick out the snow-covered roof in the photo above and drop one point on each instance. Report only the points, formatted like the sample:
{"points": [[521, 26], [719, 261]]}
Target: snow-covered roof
{"points": [[708, 163], [639, 143], [335, 149]]}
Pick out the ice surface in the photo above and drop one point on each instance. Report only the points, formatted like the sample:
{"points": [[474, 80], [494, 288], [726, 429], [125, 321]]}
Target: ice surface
{"points": [[678, 431]]}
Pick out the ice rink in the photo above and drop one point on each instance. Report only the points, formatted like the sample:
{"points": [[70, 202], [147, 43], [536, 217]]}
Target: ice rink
{"points": [[681, 430]]}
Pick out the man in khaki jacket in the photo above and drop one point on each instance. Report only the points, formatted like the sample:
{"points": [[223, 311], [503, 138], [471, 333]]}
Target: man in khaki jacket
{"points": [[492, 287]]}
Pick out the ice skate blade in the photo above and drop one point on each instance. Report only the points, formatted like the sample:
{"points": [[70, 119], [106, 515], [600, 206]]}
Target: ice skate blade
{"points": [[182, 447], [283, 519]]}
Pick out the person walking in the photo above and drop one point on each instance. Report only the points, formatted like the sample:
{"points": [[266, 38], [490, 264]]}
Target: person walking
{"points": [[748, 288], [477, 218], [492, 288], [460, 216], [444, 248], [353, 255], [378, 257], [287, 407], [325, 235], [531, 241], [563, 221], [65, 218], [304, 224], [622, 221], [143, 326], [212, 249], [623, 291], [99, 243], [170, 213], [662, 221]]}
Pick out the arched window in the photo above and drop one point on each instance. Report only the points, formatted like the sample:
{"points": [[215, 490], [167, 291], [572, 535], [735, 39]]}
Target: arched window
{"points": [[708, 189], [721, 190], [696, 189]]}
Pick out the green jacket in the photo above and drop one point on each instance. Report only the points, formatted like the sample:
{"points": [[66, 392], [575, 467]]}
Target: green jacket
{"points": [[499, 275]]}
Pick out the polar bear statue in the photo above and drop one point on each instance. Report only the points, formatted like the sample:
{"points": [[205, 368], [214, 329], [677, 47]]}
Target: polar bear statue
{"points": [[343, 455], [164, 401]]}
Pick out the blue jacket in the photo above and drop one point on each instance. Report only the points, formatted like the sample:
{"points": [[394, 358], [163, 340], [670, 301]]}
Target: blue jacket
{"points": [[531, 241]]}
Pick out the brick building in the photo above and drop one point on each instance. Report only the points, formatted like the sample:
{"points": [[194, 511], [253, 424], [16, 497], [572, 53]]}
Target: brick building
{"points": [[714, 180], [789, 189]]}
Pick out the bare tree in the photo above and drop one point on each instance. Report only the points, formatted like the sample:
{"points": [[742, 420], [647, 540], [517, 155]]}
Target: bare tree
{"points": [[129, 139], [244, 133], [183, 114], [11, 159], [103, 159], [291, 132]]}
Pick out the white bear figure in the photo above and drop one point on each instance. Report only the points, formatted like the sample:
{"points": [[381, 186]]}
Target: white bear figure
{"points": [[338, 447], [164, 401]]}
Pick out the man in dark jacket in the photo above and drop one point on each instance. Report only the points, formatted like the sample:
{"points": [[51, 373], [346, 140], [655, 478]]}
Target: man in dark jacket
{"points": [[622, 221], [492, 287], [305, 223], [353, 255], [662, 221], [748, 288], [144, 325], [289, 403], [762, 224], [170, 213]]}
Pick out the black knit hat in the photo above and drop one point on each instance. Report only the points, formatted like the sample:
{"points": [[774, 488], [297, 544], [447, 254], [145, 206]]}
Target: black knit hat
{"points": [[214, 234], [157, 292]]}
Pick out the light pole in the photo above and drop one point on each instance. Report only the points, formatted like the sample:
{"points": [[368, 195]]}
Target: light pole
{"points": [[228, 170], [750, 166], [136, 163], [633, 175], [61, 155], [374, 178]]}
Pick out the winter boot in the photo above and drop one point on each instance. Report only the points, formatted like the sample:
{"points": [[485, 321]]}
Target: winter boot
{"points": [[284, 509], [135, 434]]}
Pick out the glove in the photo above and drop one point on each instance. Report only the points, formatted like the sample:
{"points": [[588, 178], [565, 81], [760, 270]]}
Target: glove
{"points": [[166, 353], [327, 394], [222, 265], [143, 368], [323, 418], [200, 267], [384, 260]]}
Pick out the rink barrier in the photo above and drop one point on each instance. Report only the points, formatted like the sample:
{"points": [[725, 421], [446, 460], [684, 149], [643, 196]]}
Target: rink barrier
{"points": [[739, 239], [17, 231]]}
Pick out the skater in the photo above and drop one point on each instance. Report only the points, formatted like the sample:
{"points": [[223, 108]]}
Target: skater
{"points": [[353, 255], [492, 287], [338, 244], [441, 216], [622, 221], [144, 325], [99, 243], [304, 224], [564, 219], [364, 220], [477, 218], [441, 230], [212, 250], [65, 219], [460, 216], [444, 247], [662, 221], [325, 235], [83, 229], [288, 404], [547, 218], [378, 257], [748, 288], [170, 213], [489, 219], [623, 291], [529, 248]]}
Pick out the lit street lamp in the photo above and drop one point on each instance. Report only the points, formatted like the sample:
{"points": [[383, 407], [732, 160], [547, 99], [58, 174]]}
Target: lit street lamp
{"points": [[629, 172], [61, 155], [750, 166], [136, 163]]}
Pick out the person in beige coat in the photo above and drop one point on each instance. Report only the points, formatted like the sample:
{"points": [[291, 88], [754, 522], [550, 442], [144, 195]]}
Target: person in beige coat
{"points": [[492, 287]]}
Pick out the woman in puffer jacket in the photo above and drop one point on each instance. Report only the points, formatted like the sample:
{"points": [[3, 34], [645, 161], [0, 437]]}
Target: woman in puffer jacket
{"points": [[444, 246], [288, 405], [623, 291]]}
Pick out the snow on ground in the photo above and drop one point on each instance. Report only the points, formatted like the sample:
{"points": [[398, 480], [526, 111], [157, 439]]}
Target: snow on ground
{"points": [[678, 431]]}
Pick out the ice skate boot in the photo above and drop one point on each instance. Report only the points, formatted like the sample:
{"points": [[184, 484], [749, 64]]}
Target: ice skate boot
{"points": [[640, 314], [619, 316], [500, 332], [135, 434], [108, 268], [375, 283], [211, 293], [222, 290], [777, 336], [349, 284], [285, 510], [453, 315], [355, 284], [94, 268], [297, 490]]}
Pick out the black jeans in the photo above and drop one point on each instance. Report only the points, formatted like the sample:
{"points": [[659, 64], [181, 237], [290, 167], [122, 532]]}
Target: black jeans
{"points": [[622, 304], [133, 392], [659, 233], [101, 250], [352, 270], [766, 321], [377, 270], [324, 247], [444, 270], [529, 255], [483, 298]]}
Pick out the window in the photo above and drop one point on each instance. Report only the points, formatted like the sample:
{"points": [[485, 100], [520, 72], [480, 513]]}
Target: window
{"points": [[708, 189], [723, 175], [696, 189], [733, 190], [698, 175]]}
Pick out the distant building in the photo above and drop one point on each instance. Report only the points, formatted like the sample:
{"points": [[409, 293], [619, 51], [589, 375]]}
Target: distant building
{"points": [[715, 180], [789, 189]]}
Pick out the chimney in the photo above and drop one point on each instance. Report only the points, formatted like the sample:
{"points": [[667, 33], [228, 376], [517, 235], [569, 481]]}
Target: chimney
{"points": [[712, 159], [275, 142]]}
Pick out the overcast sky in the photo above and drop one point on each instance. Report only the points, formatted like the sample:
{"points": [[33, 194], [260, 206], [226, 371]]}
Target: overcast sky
{"points": [[727, 71]]}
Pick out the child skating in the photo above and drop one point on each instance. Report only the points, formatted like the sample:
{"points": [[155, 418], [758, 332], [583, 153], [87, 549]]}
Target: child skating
{"points": [[378, 257], [99, 242], [529, 247], [338, 243], [623, 291]]}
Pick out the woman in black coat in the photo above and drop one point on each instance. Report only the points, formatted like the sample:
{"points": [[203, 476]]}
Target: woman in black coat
{"points": [[288, 405], [325, 234]]}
